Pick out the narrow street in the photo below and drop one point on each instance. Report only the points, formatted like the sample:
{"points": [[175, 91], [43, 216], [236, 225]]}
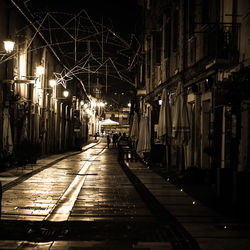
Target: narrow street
{"points": [[87, 200], [85, 196]]}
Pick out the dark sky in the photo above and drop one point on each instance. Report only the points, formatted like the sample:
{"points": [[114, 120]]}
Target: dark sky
{"points": [[120, 15]]}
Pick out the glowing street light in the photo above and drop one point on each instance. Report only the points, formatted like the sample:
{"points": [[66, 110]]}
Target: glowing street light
{"points": [[8, 46], [39, 70], [52, 83], [65, 93]]}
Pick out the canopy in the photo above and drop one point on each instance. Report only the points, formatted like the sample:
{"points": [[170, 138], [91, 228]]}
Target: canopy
{"points": [[134, 134], [144, 143], [181, 127], [109, 122], [164, 123], [7, 136]]}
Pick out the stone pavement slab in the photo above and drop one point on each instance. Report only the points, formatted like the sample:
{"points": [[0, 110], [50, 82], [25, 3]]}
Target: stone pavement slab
{"points": [[211, 229]]}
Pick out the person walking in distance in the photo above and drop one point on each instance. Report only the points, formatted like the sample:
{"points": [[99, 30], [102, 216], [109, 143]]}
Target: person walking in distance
{"points": [[108, 140]]}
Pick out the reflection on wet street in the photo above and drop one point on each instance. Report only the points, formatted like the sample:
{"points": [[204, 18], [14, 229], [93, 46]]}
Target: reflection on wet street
{"points": [[85, 187], [90, 200]]}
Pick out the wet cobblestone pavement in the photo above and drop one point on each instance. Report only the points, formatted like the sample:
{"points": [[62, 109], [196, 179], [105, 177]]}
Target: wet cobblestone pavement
{"points": [[87, 200]]}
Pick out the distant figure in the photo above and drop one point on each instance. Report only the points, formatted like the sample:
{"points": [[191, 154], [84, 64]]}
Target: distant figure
{"points": [[123, 140], [108, 140], [115, 139], [95, 136]]}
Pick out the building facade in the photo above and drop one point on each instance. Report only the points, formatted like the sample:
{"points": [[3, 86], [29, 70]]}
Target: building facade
{"points": [[204, 47], [36, 118]]}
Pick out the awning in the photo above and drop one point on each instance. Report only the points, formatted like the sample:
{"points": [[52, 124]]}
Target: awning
{"points": [[144, 142], [181, 126], [134, 134], [109, 122], [164, 123], [7, 135]]}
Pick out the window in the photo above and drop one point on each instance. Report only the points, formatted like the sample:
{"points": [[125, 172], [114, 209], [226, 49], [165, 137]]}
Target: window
{"points": [[176, 29], [22, 72], [167, 31], [205, 12], [191, 13], [148, 62], [157, 46]]}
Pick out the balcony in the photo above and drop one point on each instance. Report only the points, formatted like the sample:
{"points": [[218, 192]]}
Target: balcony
{"points": [[220, 43]]}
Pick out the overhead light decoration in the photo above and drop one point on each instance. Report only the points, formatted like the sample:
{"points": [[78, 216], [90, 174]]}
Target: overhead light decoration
{"points": [[62, 78], [9, 46]]}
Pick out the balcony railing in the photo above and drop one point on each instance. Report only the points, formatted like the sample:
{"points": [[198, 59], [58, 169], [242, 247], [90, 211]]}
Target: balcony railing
{"points": [[221, 42]]}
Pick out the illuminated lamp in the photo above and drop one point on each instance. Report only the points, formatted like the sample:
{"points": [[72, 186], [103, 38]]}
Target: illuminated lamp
{"points": [[9, 46], [65, 93], [52, 83]]}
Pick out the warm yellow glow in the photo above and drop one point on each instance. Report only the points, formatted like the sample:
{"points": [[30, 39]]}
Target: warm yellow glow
{"points": [[65, 93], [89, 112], [22, 65], [129, 104], [52, 83], [9, 46], [39, 70], [93, 103], [100, 104], [81, 102]]}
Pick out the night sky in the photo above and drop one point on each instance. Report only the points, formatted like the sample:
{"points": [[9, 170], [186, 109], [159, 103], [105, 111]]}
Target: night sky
{"points": [[120, 16]]}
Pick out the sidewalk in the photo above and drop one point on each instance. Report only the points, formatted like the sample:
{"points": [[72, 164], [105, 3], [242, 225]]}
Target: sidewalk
{"points": [[211, 229], [10, 176], [206, 194]]}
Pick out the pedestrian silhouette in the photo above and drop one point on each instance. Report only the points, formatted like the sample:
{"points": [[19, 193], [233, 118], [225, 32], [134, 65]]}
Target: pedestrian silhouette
{"points": [[108, 140]]}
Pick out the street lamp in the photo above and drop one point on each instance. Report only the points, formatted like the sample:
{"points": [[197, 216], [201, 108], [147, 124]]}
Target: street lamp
{"points": [[9, 45], [159, 101], [65, 93], [39, 70], [52, 83]]}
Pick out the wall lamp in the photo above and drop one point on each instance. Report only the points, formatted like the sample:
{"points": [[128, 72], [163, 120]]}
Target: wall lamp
{"points": [[65, 93], [9, 46], [39, 70], [52, 83], [159, 101]]}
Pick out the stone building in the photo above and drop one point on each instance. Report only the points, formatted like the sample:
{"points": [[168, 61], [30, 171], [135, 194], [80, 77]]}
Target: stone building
{"points": [[204, 47], [36, 118]]}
